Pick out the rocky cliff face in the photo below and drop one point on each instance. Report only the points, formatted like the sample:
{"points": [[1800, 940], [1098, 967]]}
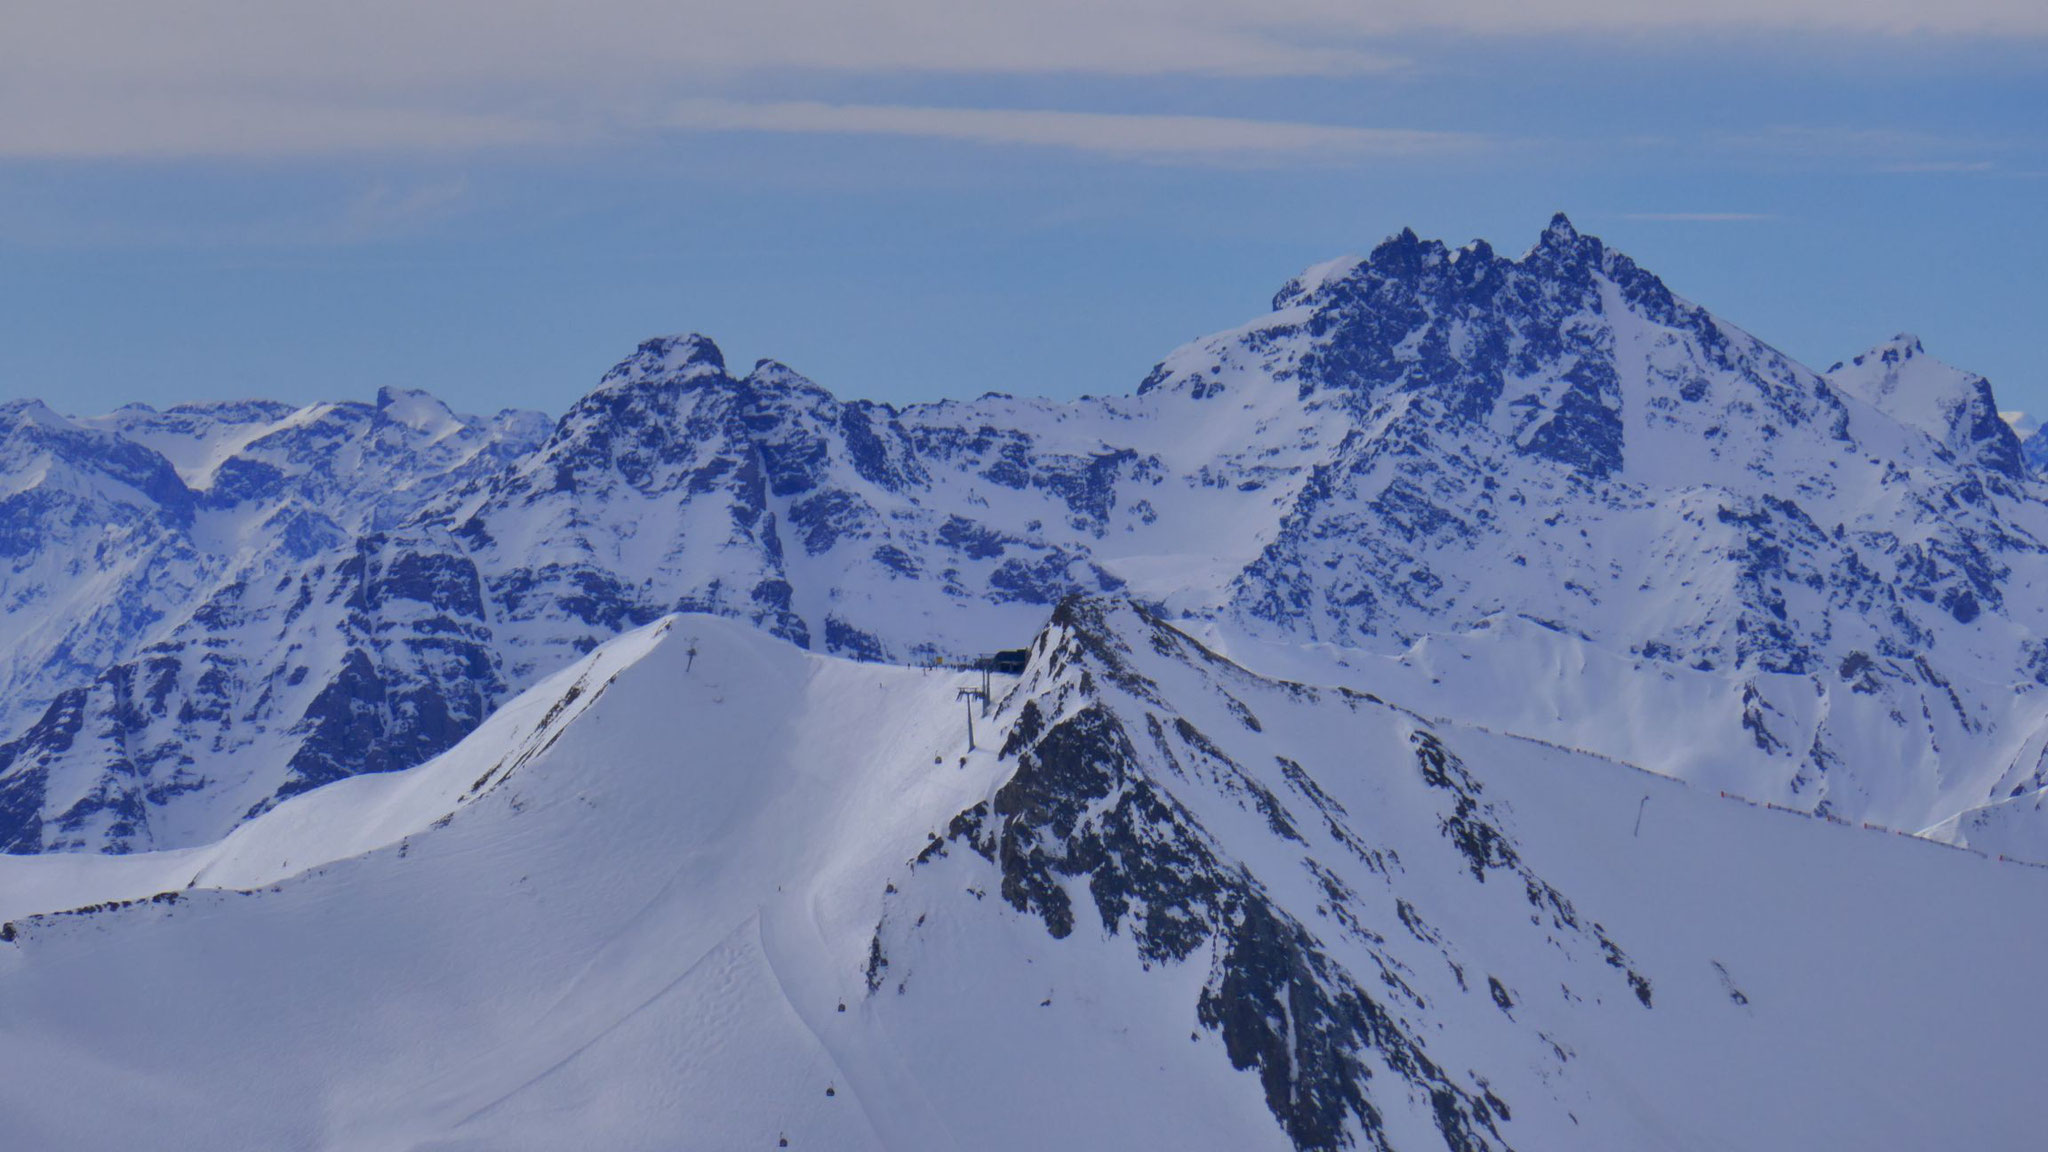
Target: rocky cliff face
{"points": [[1129, 814], [256, 629], [1542, 493]]}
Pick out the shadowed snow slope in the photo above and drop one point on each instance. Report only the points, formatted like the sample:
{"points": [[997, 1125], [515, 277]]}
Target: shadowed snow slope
{"points": [[703, 889]]}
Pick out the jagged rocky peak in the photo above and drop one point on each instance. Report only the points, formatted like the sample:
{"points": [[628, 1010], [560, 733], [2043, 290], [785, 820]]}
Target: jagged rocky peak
{"points": [[1901, 348], [1561, 253], [229, 411], [662, 384], [671, 366], [1461, 340], [418, 410], [31, 431], [2033, 446], [670, 391], [24, 413], [1570, 353], [33, 422], [523, 427], [774, 378], [674, 402], [1568, 254], [1954, 407], [1561, 237], [668, 359], [774, 372], [414, 420]]}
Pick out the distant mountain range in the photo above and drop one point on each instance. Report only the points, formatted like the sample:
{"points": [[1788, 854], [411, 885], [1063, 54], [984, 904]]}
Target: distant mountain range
{"points": [[1539, 494]]}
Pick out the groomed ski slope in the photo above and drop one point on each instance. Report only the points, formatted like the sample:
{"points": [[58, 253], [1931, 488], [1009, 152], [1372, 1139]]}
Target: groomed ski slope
{"points": [[625, 912]]}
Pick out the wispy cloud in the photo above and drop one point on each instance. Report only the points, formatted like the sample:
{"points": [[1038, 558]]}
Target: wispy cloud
{"points": [[144, 78], [1163, 138], [1873, 149], [387, 207], [214, 129], [220, 126], [1937, 166], [1703, 217], [321, 214]]}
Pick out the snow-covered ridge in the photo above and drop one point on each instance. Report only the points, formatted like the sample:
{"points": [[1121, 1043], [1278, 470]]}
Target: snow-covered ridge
{"points": [[702, 881], [1954, 407], [1421, 459], [2033, 449]]}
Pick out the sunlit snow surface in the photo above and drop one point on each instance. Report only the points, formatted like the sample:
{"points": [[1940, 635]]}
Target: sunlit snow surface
{"points": [[625, 913]]}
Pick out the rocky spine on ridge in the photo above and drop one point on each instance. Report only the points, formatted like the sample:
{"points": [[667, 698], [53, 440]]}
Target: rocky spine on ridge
{"points": [[1126, 814]]}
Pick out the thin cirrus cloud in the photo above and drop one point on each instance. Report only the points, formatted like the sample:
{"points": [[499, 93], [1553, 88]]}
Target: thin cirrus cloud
{"points": [[216, 130], [197, 78], [222, 126], [1159, 138], [1938, 166], [378, 42], [1702, 217], [1893, 150]]}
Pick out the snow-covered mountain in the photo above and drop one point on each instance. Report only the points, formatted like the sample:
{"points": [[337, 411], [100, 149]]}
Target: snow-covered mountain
{"points": [[2033, 449], [165, 572], [1955, 407], [1539, 493], [704, 887]]}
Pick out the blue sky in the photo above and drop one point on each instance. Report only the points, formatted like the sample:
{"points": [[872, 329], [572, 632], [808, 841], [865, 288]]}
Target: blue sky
{"points": [[915, 199]]}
